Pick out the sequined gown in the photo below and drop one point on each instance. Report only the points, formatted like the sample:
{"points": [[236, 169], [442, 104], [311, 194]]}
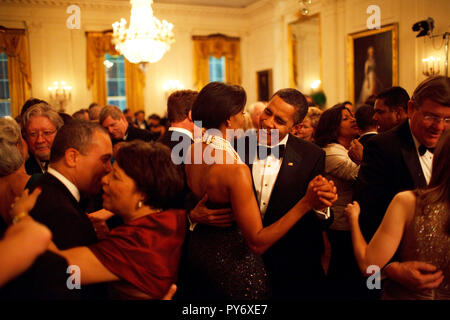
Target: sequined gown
{"points": [[222, 265], [426, 239]]}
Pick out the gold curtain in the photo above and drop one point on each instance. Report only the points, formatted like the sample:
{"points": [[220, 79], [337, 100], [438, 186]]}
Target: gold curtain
{"points": [[14, 43], [216, 45], [98, 44]]}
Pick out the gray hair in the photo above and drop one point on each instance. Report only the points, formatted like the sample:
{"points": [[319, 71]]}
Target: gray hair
{"points": [[436, 88], [43, 110], [313, 115], [110, 110], [11, 158]]}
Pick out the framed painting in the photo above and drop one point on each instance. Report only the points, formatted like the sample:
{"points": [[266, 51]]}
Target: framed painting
{"points": [[264, 84], [372, 62]]}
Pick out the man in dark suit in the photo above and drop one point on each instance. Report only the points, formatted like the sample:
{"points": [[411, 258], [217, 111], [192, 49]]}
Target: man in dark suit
{"points": [[400, 159], [80, 157], [113, 120], [294, 262], [391, 108], [280, 179]]}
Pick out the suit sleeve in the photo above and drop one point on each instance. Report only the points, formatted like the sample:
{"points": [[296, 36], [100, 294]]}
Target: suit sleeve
{"points": [[372, 188]]}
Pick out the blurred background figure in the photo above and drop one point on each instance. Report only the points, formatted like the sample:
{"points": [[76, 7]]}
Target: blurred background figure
{"points": [[40, 123], [94, 112], [391, 108], [366, 124], [254, 112], [140, 120], [82, 114], [305, 130], [155, 127], [129, 115]]}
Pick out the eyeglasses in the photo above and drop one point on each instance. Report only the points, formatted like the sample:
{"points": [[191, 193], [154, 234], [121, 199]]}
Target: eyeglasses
{"points": [[45, 134], [430, 119]]}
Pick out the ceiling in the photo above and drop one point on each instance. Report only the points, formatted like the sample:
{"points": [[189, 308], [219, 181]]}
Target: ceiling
{"points": [[211, 3]]}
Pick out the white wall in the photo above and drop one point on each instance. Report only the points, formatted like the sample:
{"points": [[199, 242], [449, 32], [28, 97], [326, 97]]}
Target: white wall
{"points": [[58, 53]]}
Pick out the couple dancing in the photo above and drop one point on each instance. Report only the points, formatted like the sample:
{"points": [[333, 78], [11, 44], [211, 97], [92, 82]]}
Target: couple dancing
{"points": [[238, 259]]}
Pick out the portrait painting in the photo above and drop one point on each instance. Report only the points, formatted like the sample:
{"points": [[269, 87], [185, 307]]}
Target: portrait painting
{"points": [[372, 62], [264, 82]]}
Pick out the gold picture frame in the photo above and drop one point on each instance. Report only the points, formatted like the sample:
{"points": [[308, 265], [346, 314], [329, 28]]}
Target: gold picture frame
{"points": [[264, 84], [372, 62]]}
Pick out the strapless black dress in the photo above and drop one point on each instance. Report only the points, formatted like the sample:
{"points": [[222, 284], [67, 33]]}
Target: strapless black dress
{"points": [[222, 266]]}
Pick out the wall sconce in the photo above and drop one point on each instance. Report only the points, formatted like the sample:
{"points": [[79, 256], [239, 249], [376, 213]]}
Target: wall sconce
{"points": [[315, 85], [431, 66], [171, 86], [60, 94]]}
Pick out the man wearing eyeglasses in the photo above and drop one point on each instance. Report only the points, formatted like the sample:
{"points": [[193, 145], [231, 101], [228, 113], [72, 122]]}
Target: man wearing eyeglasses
{"points": [[40, 123], [400, 159]]}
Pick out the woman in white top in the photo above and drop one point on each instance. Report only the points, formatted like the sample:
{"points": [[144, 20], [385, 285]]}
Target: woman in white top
{"points": [[335, 134]]}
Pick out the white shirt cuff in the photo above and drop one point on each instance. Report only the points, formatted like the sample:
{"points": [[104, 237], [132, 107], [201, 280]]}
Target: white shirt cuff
{"points": [[191, 224], [323, 214]]}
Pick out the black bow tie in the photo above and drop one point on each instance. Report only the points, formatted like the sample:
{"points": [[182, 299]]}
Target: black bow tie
{"points": [[277, 151], [423, 149]]}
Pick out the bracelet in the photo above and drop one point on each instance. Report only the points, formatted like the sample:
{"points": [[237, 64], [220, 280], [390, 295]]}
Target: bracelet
{"points": [[19, 217]]}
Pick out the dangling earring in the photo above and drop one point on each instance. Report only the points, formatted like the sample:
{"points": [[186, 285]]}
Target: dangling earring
{"points": [[140, 204]]}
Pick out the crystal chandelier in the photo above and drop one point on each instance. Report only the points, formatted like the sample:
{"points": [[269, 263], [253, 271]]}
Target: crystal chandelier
{"points": [[147, 39]]}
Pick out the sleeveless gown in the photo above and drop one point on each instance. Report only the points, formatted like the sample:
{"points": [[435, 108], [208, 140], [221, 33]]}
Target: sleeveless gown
{"points": [[426, 239], [223, 266]]}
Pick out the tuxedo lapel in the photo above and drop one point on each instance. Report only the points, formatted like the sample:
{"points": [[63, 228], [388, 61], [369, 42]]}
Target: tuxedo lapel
{"points": [[410, 157]]}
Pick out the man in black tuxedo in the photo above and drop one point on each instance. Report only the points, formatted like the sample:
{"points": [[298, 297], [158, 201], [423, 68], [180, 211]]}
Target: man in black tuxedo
{"points": [[280, 179], [80, 157], [400, 159], [113, 120]]}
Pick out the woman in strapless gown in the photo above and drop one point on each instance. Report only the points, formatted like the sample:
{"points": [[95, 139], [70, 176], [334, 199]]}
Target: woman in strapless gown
{"points": [[225, 263], [418, 224]]}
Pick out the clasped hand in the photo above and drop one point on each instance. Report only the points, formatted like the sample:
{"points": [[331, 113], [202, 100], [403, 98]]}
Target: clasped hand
{"points": [[321, 193]]}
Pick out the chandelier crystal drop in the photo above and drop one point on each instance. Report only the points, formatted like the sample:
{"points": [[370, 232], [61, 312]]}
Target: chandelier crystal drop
{"points": [[147, 39]]}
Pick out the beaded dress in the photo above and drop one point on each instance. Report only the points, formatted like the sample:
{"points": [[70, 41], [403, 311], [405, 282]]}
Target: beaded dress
{"points": [[219, 260], [427, 239]]}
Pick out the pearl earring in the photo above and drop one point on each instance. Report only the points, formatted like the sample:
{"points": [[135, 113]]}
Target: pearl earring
{"points": [[140, 204]]}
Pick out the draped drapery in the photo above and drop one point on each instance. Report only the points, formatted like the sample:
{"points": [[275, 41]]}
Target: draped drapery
{"points": [[14, 43], [216, 45], [98, 44]]}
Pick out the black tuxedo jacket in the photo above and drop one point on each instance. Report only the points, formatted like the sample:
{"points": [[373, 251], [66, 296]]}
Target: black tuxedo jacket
{"points": [[390, 165], [60, 212], [294, 262], [134, 133]]}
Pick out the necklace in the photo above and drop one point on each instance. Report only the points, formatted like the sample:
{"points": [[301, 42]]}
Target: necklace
{"points": [[220, 143]]}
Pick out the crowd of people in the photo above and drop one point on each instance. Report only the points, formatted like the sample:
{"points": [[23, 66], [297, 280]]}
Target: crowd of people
{"points": [[281, 200]]}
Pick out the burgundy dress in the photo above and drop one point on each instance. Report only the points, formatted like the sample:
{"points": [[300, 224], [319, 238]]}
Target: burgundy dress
{"points": [[144, 253]]}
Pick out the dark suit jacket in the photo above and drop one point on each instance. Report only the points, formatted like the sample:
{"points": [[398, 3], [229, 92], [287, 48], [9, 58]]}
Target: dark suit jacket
{"points": [[177, 139], [390, 165], [31, 166], [294, 262], [363, 140], [134, 133], [59, 211]]}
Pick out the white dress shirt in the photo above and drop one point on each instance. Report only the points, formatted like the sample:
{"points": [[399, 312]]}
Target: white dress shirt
{"points": [[265, 173], [69, 185], [426, 160], [182, 130]]}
